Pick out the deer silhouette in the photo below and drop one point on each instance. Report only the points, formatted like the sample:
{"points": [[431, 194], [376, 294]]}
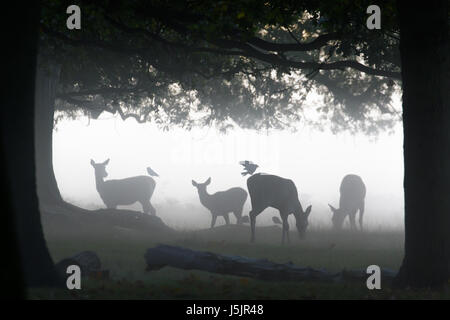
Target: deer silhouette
{"points": [[272, 191], [124, 191], [353, 192], [223, 202]]}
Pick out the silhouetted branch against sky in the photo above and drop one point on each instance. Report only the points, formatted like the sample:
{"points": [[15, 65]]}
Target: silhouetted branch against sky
{"points": [[228, 59]]}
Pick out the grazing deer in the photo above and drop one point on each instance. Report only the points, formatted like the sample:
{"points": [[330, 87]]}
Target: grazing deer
{"points": [[353, 192], [279, 193], [223, 202], [125, 191]]}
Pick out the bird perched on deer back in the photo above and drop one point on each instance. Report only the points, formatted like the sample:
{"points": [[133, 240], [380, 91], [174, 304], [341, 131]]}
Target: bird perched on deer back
{"points": [[249, 167], [151, 172]]}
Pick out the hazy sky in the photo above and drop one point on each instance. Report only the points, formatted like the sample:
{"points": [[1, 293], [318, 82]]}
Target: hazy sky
{"points": [[315, 161]]}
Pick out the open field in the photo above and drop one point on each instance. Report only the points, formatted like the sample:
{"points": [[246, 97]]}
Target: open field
{"points": [[122, 252]]}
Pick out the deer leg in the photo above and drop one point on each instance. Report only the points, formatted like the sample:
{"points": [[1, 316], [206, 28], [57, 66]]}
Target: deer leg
{"points": [[152, 209], [351, 216], [226, 218], [252, 225], [285, 231], [361, 215], [213, 221], [252, 216], [145, 206], [238, 214]]}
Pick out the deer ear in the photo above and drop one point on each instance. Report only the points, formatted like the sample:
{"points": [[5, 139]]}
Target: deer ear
{"points": [[208, 181], [333, 209], [106, 162], [195, 184], [308, 211], [92, 162]]}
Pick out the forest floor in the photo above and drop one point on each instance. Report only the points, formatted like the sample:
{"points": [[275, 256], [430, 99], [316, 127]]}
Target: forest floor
{"points": [[121, 251]]}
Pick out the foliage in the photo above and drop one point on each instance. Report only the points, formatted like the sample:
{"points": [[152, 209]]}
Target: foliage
{"points": [[248, 63]]}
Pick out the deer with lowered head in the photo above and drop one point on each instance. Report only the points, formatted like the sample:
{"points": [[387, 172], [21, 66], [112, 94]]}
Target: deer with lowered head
{"points": [[223, 202], [353, 193], [268, 190], [124, 191]]}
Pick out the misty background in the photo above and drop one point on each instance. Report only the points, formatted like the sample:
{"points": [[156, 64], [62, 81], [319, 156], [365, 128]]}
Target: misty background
{"points": [[315, 160]]}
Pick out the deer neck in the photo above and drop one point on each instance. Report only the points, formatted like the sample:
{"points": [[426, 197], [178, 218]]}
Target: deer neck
{"points": [[99, 182], [205, 197]]}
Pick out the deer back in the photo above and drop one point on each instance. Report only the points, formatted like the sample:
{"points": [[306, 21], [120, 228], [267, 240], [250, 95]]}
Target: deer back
{"points": [[273, 191], [128, 190], [353, 192], [225, 201]]}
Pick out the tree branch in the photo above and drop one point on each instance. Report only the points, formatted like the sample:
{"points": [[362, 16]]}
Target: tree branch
{"points": [[315, 44], [245, 50]]}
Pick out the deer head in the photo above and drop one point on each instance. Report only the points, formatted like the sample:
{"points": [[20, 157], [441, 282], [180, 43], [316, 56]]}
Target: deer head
{"points": [[201, 186], [100, 168], [302, 221], [338, 217]]}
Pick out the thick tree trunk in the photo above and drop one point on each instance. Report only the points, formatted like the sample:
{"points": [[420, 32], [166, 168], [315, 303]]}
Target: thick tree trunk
{"points": [[47, 79], [10, 273], [426, 120], [17, 131]]}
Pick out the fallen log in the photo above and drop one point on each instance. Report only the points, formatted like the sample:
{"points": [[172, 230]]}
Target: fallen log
{"points": [[262, 269]]}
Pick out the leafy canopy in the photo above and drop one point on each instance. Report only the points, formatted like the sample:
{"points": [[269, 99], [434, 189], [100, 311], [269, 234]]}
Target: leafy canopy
{"points": [[247, 63]]}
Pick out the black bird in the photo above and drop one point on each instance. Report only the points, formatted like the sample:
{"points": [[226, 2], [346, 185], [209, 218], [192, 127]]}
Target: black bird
{"points": [[249, 167], [151, 172]]}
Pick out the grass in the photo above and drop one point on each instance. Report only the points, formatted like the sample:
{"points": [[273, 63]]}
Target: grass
{"points": [[122, 253]]}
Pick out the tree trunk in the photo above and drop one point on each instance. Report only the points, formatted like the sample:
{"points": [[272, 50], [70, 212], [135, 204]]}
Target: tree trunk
{"points": [[10, 273], [17, 130], [47, 79], [426, 121]]}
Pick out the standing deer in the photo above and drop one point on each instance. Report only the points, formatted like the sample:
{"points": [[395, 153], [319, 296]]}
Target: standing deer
{"points": [[125, 191], [353, 192], [279, 193], [223, 202]]}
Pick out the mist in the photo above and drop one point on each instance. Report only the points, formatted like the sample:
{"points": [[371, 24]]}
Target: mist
{"points": [[315, 160]]}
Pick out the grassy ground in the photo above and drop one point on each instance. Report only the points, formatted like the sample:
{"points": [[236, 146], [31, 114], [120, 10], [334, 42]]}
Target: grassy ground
{"points": [[122, 253]]}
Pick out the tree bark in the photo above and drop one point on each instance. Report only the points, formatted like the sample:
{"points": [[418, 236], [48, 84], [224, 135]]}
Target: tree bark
{"points": [[10, 273], [17, 133], [47, 79], [424, 48]]}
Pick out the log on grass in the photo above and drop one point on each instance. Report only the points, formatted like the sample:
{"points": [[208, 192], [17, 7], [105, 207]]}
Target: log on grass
{"points": [[262, 269]]}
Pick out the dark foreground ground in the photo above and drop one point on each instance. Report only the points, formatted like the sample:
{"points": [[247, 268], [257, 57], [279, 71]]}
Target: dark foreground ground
{"points": [[121, 251]]}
